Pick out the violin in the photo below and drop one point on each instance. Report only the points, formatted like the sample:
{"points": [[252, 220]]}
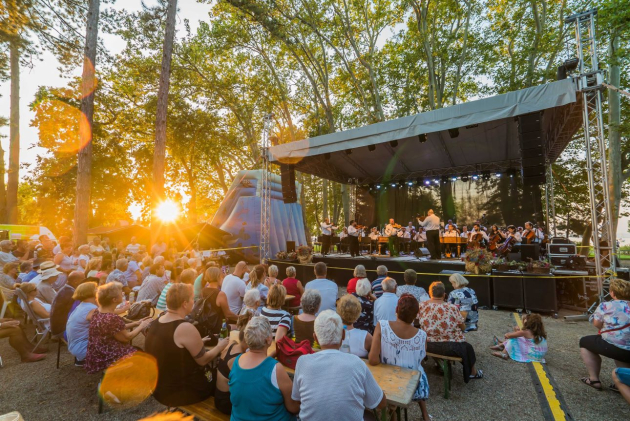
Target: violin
{"points": [[397, 226]]}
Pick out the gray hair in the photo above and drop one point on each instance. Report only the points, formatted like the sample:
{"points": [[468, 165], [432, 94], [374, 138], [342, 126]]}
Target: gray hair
{"points": [[381, 270], [458, 280], [311, 300], [411, 277], [251, 297], [122, 264], [328, 328], [291, 272], [364, 287], [257, 332], [359, 272], [389, 285], [273, 271]]}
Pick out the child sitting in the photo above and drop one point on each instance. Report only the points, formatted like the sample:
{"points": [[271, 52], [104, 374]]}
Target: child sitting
{"points": [[525, 345]]}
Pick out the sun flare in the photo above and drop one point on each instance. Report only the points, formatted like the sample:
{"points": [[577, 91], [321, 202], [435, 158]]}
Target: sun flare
{"points": [[167, 211]]}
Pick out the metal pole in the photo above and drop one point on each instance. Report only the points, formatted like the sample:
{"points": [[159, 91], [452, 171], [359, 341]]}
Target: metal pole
{"points": [[265, 191]]}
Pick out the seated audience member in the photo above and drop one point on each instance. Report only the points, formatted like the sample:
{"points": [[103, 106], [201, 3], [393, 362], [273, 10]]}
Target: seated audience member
{"points": [[49, 275], [525, 345], [444, 326], [410, 287], [621, 377], [108, 338], [251, 303], [29, 270], [260, 388], [93, 267], [280, 320], [39, 307], [5, 253], [612, 318], [202, 280], [327, 289], [400, 343], [257, 282], [358, 341], [180, 352], [381, 274], [218, 298], [385, 305], [84, 257], [175, 278], [78, 324], [224, 366], [133, 247], [293, 286], [107, 267], [234, 287], [465, 300], [359, 273], [152, 286], [11, 329], [9, 277], [331, 373], [64, 303], [96, 248], [304, 323], [272, 279], [118, 274], [133, 272], [364, 294], [147, 262]]}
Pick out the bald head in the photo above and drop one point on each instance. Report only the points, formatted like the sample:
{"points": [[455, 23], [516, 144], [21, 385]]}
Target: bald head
{"points": [[75, 278], [240, 269], [430, 212]]}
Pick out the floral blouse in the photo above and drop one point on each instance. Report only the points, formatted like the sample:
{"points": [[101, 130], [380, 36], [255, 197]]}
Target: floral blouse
{"points": [[440, 321], [465, 299], [103, 348], [615, 314], [366, 319]]}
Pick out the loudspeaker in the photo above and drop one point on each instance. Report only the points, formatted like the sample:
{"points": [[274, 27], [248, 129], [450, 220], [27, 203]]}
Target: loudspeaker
{"points": [[287, 175], [424, 251], [535, 181], [530, 251], [514, 257], [533, 171], [537, 161], [532, 153], [540, 294], [529, 122], [290, 246], [531, 140], [508, 292]]}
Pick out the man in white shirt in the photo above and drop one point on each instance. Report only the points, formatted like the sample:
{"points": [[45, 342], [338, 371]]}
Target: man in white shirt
{"points": [[317, 378], [6, 256], [450, 232], [374, 234], [404, 239], [326, 228], [410, 227], [234, 287], [465, 234], [96, 249], [353, 238], [432, 226], [385, 305], [392, 232], [419, 240], [133, 247], [327, 289]]}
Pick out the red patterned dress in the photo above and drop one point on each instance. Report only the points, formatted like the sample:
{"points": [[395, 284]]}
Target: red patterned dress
{"points": [[440, 321], [103, 348]]}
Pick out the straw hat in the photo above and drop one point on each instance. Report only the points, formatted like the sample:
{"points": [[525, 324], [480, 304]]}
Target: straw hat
{"points": [[48, 270]]}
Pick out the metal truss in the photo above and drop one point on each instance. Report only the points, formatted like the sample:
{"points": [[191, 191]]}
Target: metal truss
{"points": [[353, 200], [550, 201], [265, 191], [590, 84]]}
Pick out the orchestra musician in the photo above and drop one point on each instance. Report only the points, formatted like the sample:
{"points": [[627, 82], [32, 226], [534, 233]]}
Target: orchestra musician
{"points": [[450, 232], [404, 237], [353, 238], [391, 231], [477, 236], [529, 235], [432, 226], [374, 234], [465, 234], [419, 240], [410, 227], [327, 229]]}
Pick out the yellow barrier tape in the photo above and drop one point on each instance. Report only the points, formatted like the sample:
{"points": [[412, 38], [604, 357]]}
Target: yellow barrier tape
{"points": [[472, 275], [550, 394], [233, 248]]}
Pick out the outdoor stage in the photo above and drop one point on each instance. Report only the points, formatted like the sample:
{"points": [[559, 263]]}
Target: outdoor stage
{"points": [[569, 289]]}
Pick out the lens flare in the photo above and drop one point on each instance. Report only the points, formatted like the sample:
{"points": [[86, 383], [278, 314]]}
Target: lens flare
{"points": [[128, 382], [167, 211]]}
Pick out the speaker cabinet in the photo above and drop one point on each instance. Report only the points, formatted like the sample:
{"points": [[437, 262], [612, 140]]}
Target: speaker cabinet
{"points": [[287, 175], [529, 122], [537, 161], [533, 171], [530, 251], [290, 246], [540, 293], [508, 291]]}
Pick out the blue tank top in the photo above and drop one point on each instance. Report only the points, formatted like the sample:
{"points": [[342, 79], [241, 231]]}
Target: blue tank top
{"points": [[268, 404]]}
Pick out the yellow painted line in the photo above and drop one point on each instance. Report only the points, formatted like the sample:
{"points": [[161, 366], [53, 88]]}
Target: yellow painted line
{"points": [[550, 394]]}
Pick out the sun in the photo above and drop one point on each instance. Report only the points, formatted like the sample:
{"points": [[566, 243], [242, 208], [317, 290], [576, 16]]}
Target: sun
{"points": [[167, 211]]}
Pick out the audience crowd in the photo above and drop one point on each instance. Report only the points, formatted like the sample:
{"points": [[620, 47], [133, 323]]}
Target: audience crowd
{"points": [[86, 295]]}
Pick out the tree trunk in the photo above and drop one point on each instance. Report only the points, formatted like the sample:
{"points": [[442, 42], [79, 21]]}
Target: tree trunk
{"points": [[325, 198], [345, 202], [614, 137], [586, 240], [307, 232], [3, 192], [159, 153], [14, 143], [82, 208]]}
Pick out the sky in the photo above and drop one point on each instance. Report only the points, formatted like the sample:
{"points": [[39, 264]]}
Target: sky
{"points": [[43, 75]]}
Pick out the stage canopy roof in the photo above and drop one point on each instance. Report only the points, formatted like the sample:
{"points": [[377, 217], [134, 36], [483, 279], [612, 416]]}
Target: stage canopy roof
{"points": [[475, 136]]}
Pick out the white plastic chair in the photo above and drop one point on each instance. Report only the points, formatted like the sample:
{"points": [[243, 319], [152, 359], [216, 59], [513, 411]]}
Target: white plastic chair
{"points": [[7, 297], [42, 326]]}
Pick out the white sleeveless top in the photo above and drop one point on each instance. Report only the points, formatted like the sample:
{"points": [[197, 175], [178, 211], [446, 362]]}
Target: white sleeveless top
{"points": [[407, 353], [355, 339]]}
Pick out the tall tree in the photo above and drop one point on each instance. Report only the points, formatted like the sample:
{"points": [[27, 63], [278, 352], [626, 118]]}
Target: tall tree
{"points": [[84, 165], [14, 136], [159, 153]]}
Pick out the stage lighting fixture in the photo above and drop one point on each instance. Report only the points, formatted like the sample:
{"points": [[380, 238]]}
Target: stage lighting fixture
{"points": [[393, 143], [436, 181], [422, 138], [453, 178], [511, 172], [486, 176], [326, 156], [465, 178], [427, 182], [378, 186], [372, 186], [444, 179], [371, 148], [401, 183], [410, 183], [453, 133], [393, 184], [475, 177], [498, 175]]}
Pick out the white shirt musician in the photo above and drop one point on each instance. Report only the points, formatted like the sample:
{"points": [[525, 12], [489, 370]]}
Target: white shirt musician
{"points": [[353, 231], [513, 233], [390, 231], [343, 234], [465, 233], [327, 227], [450, 222], [477, 230], [374, 234], [431, 222], [403, 233], [420, 236], [451, 232], [410, 227]]}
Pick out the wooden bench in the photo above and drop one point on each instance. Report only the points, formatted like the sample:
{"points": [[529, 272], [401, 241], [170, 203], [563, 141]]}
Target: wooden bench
{"points": [[445, 363], [205, 411]]}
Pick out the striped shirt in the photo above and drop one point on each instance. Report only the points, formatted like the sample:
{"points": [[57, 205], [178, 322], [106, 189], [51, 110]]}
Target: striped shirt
{"points": [[377, 288], [277, 318], [161, 304], [151, 289]]}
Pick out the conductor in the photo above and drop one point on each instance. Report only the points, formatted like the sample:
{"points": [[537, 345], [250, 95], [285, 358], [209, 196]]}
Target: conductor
{"points": [[431, 224]]}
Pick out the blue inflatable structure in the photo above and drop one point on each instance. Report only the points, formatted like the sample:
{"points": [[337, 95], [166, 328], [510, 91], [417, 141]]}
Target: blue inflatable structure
{"points": [[239, 215]]}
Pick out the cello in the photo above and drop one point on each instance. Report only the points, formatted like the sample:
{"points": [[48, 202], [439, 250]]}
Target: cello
{"points": [[493, 244], [506, 247]]}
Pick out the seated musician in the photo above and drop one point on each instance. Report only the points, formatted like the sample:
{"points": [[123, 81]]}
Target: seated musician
{"points": [[512, 232], [404, 237], [419, 240], [450, 232], [410, 227], [529, 235], [450, 222], [465, 234], [374, 234], [345, 242], [477, 236]]}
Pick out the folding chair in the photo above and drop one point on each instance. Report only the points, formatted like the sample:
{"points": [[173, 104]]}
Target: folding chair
{"points": [[42, 326], [7, 297]]}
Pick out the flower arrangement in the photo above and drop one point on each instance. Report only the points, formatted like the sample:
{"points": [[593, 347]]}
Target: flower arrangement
{"points": [[283, 255], [478, 261], [539, 266], [305, 254]]}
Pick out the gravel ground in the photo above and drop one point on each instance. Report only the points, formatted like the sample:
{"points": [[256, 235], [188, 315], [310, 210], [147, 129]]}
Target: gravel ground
{"points": [[41, 392]]}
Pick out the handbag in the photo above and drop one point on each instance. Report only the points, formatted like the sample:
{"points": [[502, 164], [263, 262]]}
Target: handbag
{"points": [[139, 310], [288, 352]]}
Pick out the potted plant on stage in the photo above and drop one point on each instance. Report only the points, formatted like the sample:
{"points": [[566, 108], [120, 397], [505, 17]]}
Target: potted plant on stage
{"points": [[478, 261], [305, 254], [283, 255], [542, 267], [501, 264]]}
